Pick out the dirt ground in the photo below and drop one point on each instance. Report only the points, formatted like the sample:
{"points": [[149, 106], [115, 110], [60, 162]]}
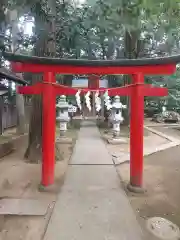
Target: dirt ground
{"points": [[161, 177], [161, 180], [19, 179], [151, 141]]}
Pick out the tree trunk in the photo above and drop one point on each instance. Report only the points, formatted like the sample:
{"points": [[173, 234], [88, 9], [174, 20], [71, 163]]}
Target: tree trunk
{"points": [[21, 120], [1, 114], [2, 26], [131, 52], [33, 152], [19, 98], [45, 46], [2, 31], [34, 149]]}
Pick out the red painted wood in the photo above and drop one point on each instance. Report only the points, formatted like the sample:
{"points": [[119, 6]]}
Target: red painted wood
{"points": [[147, 90], [93, 82], [155, 91], [27, 67], [65, 90], [28, 90], [136, 131], [123, 91], [137, 90], [49, 129]]}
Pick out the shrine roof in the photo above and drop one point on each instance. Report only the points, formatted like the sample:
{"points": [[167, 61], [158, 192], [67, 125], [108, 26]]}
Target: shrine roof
{"points": [[6, 74], [175, 59], [3, 87]]}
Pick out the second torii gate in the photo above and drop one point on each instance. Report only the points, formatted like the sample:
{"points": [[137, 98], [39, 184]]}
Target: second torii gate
{"points": [[137, 90]]}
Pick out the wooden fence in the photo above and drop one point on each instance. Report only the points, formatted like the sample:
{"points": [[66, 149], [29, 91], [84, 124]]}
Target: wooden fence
{"points": [[9, 115]]}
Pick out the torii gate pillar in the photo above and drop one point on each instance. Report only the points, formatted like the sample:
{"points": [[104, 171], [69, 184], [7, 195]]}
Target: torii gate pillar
{"points": [[136, 132], [48, 129]]}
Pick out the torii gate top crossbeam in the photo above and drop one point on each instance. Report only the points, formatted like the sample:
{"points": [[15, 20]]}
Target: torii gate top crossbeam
{"points": [[166, 65]]}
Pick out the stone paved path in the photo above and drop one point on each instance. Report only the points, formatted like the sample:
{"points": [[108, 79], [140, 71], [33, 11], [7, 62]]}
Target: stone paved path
{"points": [[92, 204]]}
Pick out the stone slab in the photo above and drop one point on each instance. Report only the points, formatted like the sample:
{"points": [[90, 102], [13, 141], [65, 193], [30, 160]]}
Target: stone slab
{"points": [[119, 141], [120, 158], [92, 205], [26, 207], [149, 151], [163, 125], [119, 154], [90, 148], [6, 148], [171, 142], [170, 138], [64, 140]]}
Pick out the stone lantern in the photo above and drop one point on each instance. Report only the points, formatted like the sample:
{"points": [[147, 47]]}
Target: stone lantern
{"points": [[116, 117], [164, 110], [63, 116]]}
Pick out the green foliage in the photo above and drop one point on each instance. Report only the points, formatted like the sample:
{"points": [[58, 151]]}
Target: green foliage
{"points": [[110, 29], [96, 29], [173, 85]]}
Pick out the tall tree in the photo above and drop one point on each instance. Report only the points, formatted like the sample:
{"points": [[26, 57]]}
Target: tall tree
{"points": [[100, 30], [21, 123], [34, 149]]}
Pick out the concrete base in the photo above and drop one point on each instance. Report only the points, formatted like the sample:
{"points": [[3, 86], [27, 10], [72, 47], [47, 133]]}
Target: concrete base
{"points": [[62, 133], [136, 189], [101, 119], [64, 140], [117, 141], [24, 207], [51, 188], [120, 158], [6, 148], [10, 144]]}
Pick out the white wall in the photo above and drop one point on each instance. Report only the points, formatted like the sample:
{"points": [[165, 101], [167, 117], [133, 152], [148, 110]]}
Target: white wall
{"points": [[84, 83]]}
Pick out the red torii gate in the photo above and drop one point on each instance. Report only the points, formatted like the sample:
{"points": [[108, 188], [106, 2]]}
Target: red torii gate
{"points": [[137, 90]]}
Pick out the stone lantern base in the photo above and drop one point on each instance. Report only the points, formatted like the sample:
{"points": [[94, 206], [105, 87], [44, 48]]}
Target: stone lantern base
{"points": [[62, 139], [116, 130], [63, 128]]}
